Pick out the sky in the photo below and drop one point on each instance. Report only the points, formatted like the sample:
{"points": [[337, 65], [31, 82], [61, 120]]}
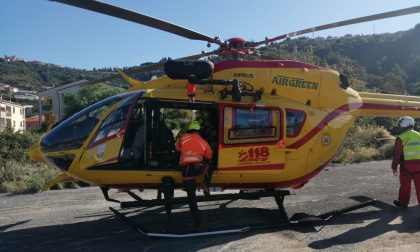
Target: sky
{"points": [[56, 33]]}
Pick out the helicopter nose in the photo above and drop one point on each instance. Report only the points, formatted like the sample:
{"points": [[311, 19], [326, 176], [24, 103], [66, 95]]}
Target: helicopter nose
{"points": [[35, 153]]}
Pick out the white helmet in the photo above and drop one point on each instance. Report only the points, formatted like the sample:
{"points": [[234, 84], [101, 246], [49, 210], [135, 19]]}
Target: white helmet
{"points": [[406, 122]]}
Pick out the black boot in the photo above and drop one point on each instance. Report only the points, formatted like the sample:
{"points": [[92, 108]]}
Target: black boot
{"points": [[398, 204], [190, 187], [168, 187]]}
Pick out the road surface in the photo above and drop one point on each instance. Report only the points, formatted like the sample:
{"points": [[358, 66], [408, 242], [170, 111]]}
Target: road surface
{"points": [[79, 219]]}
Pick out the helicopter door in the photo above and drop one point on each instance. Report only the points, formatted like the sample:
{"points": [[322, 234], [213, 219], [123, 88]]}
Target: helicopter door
{"points": [[103, 152], [250, 139]]}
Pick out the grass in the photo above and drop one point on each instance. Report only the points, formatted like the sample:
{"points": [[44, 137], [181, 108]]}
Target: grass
{"points": [[20, 177], [362, 145]]}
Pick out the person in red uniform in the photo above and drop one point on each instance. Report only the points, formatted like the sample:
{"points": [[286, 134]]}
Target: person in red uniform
{"points": [[407, 155], [194, 149]]}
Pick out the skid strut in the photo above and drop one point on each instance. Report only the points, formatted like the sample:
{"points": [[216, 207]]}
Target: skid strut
{"points": [[296, 219], [169, 200], [216, 197], [303, 218]]}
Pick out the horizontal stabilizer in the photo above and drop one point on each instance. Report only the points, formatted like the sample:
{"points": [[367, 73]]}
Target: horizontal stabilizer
{"points": [[133, 82]]}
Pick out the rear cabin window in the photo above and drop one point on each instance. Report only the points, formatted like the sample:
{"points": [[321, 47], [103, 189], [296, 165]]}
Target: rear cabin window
{"points": [[294, 122], [249, 125]]}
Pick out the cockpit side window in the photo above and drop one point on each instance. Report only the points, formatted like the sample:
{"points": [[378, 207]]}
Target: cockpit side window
{"points": [[114, 122], [72, 132]]}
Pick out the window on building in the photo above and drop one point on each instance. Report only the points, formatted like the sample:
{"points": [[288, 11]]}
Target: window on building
{"points": [[13, 110], [248, 125], [294, 122]]}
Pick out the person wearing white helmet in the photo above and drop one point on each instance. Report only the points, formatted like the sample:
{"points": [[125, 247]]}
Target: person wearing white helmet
{"points": [[407, 156]]}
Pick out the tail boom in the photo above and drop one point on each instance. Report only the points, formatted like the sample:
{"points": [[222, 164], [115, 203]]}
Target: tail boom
{"points": [[388, 105]]}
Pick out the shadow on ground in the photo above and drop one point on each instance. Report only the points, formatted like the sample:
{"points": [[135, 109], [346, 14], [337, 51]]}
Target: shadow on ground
{"points": [[381, 221], [109, 233]]}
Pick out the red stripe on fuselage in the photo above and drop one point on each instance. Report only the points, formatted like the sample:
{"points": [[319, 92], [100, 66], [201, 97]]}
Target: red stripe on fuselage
{"points": [[106, 139], [388, 107], [253, 167], [271, 185], [109, 161], [331, 116], [263, 64]]}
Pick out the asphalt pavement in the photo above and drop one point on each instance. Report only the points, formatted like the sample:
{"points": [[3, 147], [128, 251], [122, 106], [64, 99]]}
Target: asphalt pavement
{"points": [[80, 219]]}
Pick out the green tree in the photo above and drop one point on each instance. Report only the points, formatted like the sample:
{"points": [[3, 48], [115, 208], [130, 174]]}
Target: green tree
{"points": [[393, 83], [87, 96], [177, 118], [415, 74], [14, 145]]}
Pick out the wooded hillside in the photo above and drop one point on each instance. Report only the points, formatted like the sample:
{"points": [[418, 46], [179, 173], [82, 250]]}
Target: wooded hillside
{"points": [[384, 62]]}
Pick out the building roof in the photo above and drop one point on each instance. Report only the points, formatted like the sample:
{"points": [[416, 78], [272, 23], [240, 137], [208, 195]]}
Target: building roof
{"points": [[34, 118], [11, 103], [57, 89]]}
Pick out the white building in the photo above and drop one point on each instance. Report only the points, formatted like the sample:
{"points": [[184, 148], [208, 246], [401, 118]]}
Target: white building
{"points": [[52, 99], [13, 115]]}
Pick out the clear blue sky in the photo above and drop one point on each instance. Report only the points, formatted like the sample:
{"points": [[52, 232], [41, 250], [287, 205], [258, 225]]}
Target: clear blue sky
{"points": [[56, 33]]}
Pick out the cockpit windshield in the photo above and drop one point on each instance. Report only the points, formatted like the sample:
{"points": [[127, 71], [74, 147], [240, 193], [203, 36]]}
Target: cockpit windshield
{"points": [[72, 132]]}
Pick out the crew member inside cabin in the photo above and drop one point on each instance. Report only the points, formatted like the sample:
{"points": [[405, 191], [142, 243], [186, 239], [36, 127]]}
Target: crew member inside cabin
{"points": [[407, 156], [194, 150]]}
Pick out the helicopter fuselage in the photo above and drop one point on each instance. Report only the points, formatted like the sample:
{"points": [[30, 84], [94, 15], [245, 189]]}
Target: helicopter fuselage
{"points": [[281, 140]]}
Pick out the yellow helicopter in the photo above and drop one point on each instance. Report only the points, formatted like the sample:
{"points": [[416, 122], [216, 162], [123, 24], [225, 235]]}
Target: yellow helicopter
{"points": [[274, 123]]}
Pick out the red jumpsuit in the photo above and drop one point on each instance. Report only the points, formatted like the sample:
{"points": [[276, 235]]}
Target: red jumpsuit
{"points": [[409, 170], [193, 150]]}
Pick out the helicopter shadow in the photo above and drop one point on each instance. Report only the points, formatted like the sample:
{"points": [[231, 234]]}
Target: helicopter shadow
{"points": [[382, 219], [107, 232], [5, 227]]}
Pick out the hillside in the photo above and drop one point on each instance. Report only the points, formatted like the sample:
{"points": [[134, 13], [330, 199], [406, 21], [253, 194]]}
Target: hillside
{"points": [[35, 75], [389, 62], [384, 62]]}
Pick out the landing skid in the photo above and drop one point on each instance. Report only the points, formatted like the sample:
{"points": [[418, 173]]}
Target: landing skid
{"points": [[296, 219], [136, 226]]}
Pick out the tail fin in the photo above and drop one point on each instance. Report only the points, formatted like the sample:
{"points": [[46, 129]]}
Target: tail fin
{"points": [[134, 83], [389, 105]]}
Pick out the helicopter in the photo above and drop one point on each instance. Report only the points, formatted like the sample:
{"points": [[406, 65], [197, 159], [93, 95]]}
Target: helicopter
{"points": [[275, 123]]}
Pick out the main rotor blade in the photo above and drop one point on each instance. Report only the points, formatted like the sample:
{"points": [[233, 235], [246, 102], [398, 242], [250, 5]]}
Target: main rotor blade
{"points": [[384, 15], [146, 68], [139, 18]]}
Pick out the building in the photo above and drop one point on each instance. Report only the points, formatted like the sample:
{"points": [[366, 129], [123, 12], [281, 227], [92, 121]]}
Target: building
{"points": [[33, 122], [25, 96], [52, 99], [12, 115]]}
